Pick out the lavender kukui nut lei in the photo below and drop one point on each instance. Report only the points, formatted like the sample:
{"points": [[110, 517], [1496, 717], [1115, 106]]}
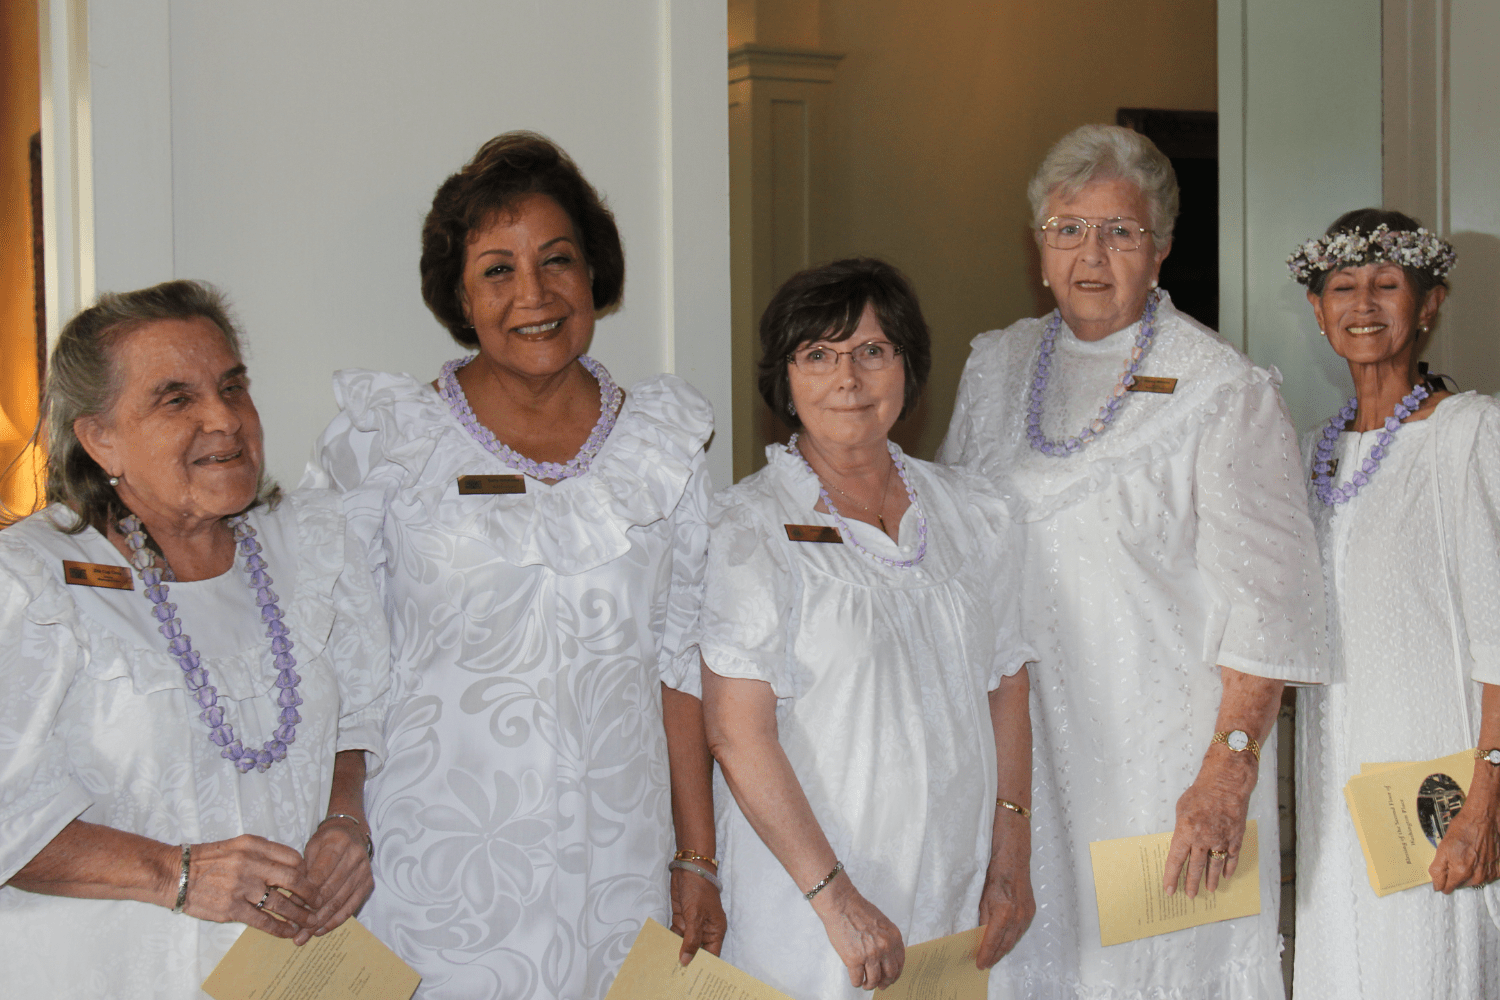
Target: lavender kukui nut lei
{"points": [[1323, 455], [843, 526], [180, 646], [1106, 416], [609, 402]]}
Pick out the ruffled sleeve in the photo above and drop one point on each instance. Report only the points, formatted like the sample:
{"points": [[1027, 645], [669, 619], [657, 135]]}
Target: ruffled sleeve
{"points": [[1474, 457], [679, 653], [1256, 546], [1002, 572], [42, 649], [750, 592]]}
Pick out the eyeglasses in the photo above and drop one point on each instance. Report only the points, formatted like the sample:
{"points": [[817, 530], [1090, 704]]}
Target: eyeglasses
{"points": [[1067, 232], [872, 356]]}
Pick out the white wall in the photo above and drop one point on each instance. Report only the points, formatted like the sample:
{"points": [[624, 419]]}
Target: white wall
{"points": [[287, 151], [1299, 144]]}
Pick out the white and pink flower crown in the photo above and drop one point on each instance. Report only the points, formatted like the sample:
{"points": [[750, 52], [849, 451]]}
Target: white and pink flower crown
{"points": [[1420, 249]]}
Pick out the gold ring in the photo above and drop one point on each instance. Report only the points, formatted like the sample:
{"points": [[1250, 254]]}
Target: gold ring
{"points": [[1218, 855], [262, 904]]}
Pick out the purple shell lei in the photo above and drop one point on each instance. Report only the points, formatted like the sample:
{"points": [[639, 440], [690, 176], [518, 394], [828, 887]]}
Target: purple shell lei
{"points": [[1112, 403], [1323, 454], [195, 675], [843, 526], [609, 403]]}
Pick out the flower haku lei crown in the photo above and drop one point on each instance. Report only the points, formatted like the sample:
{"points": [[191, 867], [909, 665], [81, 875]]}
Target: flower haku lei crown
{"points": [[1423, 250]]}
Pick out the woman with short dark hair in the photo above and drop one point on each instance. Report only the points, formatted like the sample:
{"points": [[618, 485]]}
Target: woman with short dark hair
{"points": [[864, 680], [538, 535], [194, 668], [1404, 483]]}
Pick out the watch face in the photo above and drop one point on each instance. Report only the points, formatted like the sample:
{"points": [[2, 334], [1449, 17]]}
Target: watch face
{"points": [[1238, 740], [1493, 756]]}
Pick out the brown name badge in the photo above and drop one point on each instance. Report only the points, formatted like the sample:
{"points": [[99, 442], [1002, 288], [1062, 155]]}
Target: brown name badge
{"points": [[468, 485], [98, 575], [1150, 383], [813, 533]]}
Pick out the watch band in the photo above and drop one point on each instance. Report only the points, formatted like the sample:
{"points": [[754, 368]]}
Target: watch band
{"points": [[1251, 743], [1491, 757]]}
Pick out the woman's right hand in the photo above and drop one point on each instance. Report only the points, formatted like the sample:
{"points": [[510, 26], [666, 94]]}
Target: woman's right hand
{"points": [[227, 878], [867, 942]]}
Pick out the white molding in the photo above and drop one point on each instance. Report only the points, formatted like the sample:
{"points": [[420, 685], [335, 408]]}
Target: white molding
{"points": [[753, 61]]}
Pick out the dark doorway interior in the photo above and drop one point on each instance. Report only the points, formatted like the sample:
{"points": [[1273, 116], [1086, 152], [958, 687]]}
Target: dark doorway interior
{"points": [[1191, 141]]}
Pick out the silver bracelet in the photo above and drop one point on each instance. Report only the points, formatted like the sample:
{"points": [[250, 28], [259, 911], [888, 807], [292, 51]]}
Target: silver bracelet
{"points": [[838, 866], [698, 870], [182, 879], [369, 844]]}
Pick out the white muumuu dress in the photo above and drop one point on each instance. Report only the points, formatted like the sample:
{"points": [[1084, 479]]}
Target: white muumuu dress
{"points": [[1178, 541], [1414, 618], [882, 677], [523, 824], [96, 724]]}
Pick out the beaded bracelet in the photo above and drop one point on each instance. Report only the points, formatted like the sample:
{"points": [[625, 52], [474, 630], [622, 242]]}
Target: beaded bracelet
{"points": [[699, 870], [369, 844], [182, 879], [838, 866], [1014, 807]]}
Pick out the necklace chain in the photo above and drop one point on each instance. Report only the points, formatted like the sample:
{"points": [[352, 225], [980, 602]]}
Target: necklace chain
{"points": [[879, 514], [1112, 403], [609, 403], [843, 526], [1323, 455], [195, 675]]}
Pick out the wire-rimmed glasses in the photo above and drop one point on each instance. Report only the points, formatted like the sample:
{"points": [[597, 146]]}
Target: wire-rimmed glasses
{"points": [[1067, 232], [871, 356]]}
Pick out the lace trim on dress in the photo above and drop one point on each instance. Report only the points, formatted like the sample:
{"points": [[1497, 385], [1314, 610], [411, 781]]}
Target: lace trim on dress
{"points": [[244, 675], [571, 527]]}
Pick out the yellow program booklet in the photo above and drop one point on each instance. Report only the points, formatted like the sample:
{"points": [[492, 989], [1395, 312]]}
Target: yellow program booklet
{"points": [[1132, 905], [1400, 813], [347, 963]]}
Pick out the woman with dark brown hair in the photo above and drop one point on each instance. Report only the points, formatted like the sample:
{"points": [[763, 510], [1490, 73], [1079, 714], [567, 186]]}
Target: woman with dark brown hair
{"points": [[538, 535]]}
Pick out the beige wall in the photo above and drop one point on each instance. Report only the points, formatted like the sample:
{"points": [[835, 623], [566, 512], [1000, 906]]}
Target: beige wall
{"points": [[939, 114], [20, 118]]}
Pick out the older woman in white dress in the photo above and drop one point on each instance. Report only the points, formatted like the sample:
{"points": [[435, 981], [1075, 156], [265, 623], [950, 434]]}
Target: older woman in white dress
{"points": [[1173, 584], [181, 739], [1405, 484], [538, 535], [864, 679]]}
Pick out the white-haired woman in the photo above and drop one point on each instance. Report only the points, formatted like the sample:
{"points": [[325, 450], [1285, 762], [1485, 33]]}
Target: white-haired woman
{"points": [[1405, 484], [1173, 583]]}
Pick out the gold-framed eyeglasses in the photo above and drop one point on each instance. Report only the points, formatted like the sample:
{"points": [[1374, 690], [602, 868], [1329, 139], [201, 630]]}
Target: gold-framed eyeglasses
{"points": [[1067, 232], [871, 356]]}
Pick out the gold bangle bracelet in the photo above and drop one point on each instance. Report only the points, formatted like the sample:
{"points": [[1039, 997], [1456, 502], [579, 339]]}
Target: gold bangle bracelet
{"points": [[688, 855], [1014, 807]]}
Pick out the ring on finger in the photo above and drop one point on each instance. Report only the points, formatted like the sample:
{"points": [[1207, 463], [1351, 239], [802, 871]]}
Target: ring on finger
{"points": [[262, 904], [1218, 855]]}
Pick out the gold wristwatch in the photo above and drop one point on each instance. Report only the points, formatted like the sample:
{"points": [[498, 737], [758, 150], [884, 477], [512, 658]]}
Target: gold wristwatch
{"points": [[1239, 741], [1489, 756]]}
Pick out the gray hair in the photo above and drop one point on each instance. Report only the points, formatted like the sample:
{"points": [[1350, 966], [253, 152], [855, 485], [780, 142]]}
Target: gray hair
{"points": [[82, 381], [1108, 152]]}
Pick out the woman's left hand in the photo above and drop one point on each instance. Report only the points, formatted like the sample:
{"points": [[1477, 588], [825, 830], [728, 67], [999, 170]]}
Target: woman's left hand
{"points": [[1211, 818], [339, 866], [1007, 905], [1468, 856], [697, 914]]}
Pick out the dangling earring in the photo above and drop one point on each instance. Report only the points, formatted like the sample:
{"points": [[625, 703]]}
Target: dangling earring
{"points": [[1046, 283], [791, 408], [114, 480]]}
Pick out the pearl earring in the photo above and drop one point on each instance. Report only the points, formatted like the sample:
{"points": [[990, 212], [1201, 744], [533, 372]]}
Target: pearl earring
{"points": [[1153, 282], [1322, 332], [1046, 283], [114, 480]]}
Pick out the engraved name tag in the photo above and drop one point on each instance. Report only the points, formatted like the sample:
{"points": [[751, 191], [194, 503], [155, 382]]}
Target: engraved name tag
{"points": [[98, 575], [1150, 383], [813, 533], [491, 484]]}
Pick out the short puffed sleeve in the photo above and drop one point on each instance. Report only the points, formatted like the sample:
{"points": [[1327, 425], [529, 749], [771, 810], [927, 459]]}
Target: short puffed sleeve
{"points": [[679, 653], [1256, 546], [41, 651], [1002, 571], [1476, 536], [749, 595]]}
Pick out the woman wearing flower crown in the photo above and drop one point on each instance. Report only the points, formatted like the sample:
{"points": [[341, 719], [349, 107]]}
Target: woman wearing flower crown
{"points": [[864, 675], [1405, 486], [194, 668], [1172, 585], [538, 535]]}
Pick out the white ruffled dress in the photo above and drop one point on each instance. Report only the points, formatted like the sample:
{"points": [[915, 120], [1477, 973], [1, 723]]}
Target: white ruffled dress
{"points": [[882, 678], [523, 823], [1177, 541], [97, 724], [1413, 570]]}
